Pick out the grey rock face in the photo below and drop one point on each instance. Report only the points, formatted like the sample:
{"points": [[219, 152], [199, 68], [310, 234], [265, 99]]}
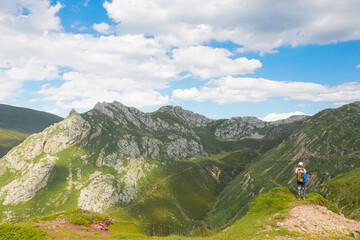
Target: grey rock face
{"points": [[66, 133], [32, 179], [240, 128], [104, 191], [128, 147], [184, 148], [151, 147], [148, 121], [188, 117], [249, 127], [99, 194]]}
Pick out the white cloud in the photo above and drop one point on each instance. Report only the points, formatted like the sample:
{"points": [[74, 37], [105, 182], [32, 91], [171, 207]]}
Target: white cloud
{"points": [[206, 62], [258, 25], [98, 68], [340, 103], [78, 26], [128, 66], [9, 88], [278, 116], [52, 110], [121, 63], [230, 89], [358, 66], [41, 18], [137, 99], [102, 28], [143, 98]]}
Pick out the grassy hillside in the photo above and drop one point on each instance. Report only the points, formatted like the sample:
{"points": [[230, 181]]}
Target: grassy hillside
{"points": [[25, 120], [344, 190], [10, 138], [259, 223], [173, 199], [327, 143], [17, 123]]}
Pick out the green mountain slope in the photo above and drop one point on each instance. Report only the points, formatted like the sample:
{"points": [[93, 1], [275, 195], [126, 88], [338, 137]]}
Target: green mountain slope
{"points": [[274, 215], [328, 143], [17, 123], [344, 190], [160, 170]]}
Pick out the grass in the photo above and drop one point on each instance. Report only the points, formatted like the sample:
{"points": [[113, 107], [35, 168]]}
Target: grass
{"points": [[259, 222], [25, 120], [344, 190], [10, 138], [265, 211], [76, 217], [15, 232]]}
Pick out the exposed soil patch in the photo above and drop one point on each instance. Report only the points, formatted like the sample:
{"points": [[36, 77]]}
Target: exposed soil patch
{"points": [[54, 226], [318, 221]]}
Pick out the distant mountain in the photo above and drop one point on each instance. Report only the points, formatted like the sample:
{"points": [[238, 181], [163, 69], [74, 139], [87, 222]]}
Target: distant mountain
{"points": [[17, 123], [161, 169], [328, 143]]}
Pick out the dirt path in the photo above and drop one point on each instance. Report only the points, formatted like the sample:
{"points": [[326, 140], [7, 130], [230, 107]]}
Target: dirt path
{"points": [[319, 222], [55, 227]]}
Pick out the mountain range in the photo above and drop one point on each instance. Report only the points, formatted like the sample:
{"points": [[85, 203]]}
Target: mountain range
{"points": [[171, 171]]}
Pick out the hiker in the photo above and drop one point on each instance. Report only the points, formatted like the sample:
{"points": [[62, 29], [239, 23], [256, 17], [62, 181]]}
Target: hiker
{"points": [[301, 179]]}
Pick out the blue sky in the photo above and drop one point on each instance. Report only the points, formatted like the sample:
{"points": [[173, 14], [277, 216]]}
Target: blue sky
{"points": [[268, 59]]}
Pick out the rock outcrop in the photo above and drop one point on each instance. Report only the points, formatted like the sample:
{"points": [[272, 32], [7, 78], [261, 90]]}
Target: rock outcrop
{"points": [[32, 179], [34, 159]]}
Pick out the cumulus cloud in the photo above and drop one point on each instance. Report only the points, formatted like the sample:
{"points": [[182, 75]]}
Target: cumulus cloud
{"points": [[206, 62], [257, 25], [123, 64], [278, 116], [102, 28], [231, 89], [87, 68], [129, 65]]}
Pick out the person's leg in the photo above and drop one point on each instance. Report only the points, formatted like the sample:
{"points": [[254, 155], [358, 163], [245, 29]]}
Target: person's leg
{"points": [[299, 190], [303, 188]]}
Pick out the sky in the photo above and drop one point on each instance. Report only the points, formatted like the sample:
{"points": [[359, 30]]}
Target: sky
{"points": [[219, 58]]}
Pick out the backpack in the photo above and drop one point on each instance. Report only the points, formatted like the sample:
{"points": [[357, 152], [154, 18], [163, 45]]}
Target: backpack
{"points": [[305, 178], [299, 173]]}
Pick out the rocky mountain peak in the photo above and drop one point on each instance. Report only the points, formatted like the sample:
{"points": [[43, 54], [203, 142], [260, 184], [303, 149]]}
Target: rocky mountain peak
{"points": [[73, 112], [190, 118]]}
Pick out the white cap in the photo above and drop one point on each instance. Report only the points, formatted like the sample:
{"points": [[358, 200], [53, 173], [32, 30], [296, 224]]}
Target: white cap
{"points": [[301, 164]]}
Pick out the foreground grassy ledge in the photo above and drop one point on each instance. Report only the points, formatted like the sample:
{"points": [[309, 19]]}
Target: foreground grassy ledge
{"points": [[263, 221]]}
